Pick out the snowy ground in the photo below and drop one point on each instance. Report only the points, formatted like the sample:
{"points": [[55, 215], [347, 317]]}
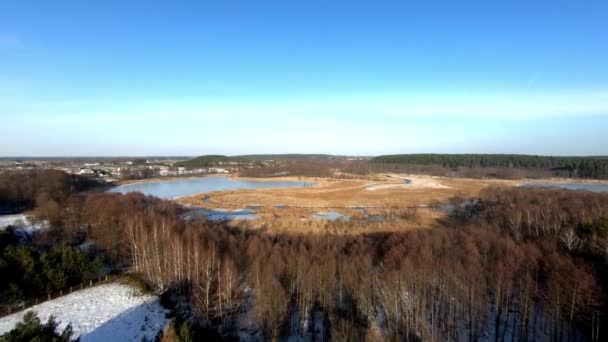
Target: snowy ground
{"points": [[110, 312], [301, 329], [13, 220], [23, 226]]}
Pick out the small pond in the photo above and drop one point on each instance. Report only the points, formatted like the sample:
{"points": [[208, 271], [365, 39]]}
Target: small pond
{"points": [[331, 216], [221, 214]]}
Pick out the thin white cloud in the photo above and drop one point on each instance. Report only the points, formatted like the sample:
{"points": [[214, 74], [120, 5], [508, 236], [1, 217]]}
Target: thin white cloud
{"points": [[522, 106], [483, 106]]}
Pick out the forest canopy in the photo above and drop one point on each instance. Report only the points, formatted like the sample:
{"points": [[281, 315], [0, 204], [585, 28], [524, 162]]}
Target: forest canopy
{"points": [[23, 189], [214, 160], [583, 167]]}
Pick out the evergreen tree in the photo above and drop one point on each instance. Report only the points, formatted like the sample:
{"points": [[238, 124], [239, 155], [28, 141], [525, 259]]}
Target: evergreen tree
{"points": [[31, 329]]}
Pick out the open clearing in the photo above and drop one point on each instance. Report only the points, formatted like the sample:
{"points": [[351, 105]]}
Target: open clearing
{"points": [[109, 312], [386, 191], [379, 195]]}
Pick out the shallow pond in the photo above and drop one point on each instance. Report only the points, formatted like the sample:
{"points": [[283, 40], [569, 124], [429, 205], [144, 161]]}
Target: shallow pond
{"points": [[221, 214], [570, 186], [331, 216], [192, 186], [367, 217]]}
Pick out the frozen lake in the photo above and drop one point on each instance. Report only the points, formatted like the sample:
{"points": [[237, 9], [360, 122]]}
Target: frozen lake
{"points": [[595, 187], [191, 186]]}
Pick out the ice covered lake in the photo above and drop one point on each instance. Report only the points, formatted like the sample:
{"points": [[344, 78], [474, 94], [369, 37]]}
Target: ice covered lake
{"points": [[595, 187], [191, 186]]}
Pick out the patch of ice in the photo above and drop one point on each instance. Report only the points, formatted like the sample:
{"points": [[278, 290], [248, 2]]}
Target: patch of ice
{"points": [[331, 216], [221, 214]]}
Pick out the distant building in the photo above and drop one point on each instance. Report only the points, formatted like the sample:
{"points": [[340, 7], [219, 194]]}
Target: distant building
{"points": [[218, 170], [165, 171]]}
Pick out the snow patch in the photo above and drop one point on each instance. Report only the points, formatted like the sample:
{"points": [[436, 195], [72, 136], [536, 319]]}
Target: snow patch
{"points": [[24, 227], [109, 312], [13, 220]]}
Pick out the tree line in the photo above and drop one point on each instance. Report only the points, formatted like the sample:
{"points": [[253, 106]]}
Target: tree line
{"points": [[577, 220], [21, 189], [583, 167], [478, 278], [344, 169], [308, 168], [28, 272]]}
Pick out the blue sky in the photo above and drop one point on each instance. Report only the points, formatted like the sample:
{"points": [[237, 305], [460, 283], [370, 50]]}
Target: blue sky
{"points": [[343, 77]]}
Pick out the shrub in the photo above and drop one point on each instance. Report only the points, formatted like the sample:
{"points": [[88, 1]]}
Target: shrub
{"points": [[31, 329], [136, 281], [177, 332]]}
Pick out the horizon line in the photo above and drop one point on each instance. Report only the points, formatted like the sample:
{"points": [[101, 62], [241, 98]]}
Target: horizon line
{"points": [[283, 154]]}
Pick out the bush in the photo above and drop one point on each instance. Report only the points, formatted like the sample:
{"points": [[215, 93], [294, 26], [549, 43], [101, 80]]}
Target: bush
{"points": [[136, 281], [31, 329], [177, 332]]}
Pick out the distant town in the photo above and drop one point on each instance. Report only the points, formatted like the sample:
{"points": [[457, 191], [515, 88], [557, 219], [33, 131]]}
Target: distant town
{"points": [[109, 170]]}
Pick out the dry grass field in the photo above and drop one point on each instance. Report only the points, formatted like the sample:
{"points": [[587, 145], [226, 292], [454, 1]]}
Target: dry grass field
{"points": [[401, 205], [378, 192]]}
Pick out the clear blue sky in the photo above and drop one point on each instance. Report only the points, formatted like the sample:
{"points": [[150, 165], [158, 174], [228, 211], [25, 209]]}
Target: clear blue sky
{"points": [[345, 77]]}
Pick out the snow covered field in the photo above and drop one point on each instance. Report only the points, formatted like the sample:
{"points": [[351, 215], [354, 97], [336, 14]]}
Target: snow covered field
{"points": [[109, 312]]}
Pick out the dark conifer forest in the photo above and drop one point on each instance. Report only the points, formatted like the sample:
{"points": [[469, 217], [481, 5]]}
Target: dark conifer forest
{"points": [[581, 167]]}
